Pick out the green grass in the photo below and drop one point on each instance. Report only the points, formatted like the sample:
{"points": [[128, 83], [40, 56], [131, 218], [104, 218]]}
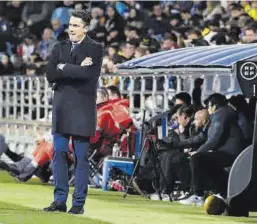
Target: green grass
{"points": [[22, 204]]}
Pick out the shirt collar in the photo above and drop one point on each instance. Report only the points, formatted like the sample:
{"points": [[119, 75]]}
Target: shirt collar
{"points": [[78, 41]]}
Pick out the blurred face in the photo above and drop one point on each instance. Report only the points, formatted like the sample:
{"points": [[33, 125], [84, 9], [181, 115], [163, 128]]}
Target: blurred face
{"points": [[174, 22], [55, 24], [235, 13], [16, 4], [76, 29], [250, 36], [100, 98], [199, 121], [48, 34], [179, 102], [192, 36], [28, 41], [110, 12], [132, 13], [157, 11], [94, 13], [138, 54], [183, 120], [167, 45], [111, 51], [129, 50], [68, 3], [4, 60], [211, 108]]}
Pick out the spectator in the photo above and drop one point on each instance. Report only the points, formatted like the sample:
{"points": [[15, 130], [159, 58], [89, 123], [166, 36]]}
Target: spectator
{"points": [[36, 15], [169, 42], [14, 9], [27, 48], [196, 39], [182, 98], [157, 23], [59, 30], [62, 13], [45, 46], [197, 94], [250, 35], [114, 26], [6, 67], [140, 52], [5, 32]]}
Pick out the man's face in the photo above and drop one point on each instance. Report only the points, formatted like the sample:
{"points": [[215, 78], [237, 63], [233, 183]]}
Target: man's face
{"points": [[167, 45], [157, 11], [55, 24], [199, 121], [110, 12], [250, 36], [183, 120], [211, 108], [129, 50], [47, 35], [76, 29], [192, 36], [179, 102]]}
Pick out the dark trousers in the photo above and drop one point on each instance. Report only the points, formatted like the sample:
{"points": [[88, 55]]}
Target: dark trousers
{"points": [[205, 165], [60, 168], [174, 165]]}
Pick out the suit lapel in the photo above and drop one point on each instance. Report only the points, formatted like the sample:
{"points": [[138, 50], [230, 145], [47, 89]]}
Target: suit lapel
{"points": [[67, 51], [82, 49]]}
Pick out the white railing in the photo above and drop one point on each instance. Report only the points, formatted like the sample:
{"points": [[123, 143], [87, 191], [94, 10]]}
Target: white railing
{"points": [[26, 102]]}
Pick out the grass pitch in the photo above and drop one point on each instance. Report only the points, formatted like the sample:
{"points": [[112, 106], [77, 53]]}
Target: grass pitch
{"points": [[22, 204]]}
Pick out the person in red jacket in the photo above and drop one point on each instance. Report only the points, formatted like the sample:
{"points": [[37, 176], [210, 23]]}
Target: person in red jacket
{"points": [[121, 113], [107, 131]]}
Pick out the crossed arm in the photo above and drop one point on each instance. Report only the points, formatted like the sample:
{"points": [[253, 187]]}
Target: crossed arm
{"points": [[86, 70]]}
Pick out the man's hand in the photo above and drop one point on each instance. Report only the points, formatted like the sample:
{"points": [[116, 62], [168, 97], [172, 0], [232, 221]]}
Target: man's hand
{"points": [[60, 66], [192, 153], [87, 61]]}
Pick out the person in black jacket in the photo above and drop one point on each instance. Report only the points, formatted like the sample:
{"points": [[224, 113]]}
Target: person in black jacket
{"points": [[224, 143], [74, 68], [175, 162]]}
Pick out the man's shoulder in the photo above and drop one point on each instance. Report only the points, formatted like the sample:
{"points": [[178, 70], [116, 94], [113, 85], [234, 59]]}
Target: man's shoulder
{"points": [[94, 43], [60, 44]]}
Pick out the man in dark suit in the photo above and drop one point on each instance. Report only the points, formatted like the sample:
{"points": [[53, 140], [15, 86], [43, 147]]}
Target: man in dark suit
{"points": [[74, 68]]}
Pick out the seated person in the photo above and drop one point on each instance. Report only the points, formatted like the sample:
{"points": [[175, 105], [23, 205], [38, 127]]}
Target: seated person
{"points": [[173, 161], [108, 130], [223, 145], [120, 111]]}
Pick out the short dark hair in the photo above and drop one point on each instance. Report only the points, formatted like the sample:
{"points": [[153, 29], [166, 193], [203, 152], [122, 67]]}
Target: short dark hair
{"points": [[84, 15], [218, 100], [251, 28], [187, 110], [114, 90], [184, 96]]}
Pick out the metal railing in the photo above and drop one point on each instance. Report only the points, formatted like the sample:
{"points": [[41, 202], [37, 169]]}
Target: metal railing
{"points": [[26, 102]]}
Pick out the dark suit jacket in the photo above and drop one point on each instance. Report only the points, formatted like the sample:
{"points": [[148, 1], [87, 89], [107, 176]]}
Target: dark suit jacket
{"points": [[195, 139], [224, 133], [74, 102]]}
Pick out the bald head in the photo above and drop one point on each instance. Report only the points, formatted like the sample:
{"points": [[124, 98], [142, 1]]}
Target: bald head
{"points": [[201, 118]]}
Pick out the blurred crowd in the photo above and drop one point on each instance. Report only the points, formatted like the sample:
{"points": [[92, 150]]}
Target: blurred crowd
{"points": [[128, 29]]}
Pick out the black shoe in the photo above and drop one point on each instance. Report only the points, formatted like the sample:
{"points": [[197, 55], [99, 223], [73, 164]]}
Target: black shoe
{"points": [[76, 210], [56, 207]]}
